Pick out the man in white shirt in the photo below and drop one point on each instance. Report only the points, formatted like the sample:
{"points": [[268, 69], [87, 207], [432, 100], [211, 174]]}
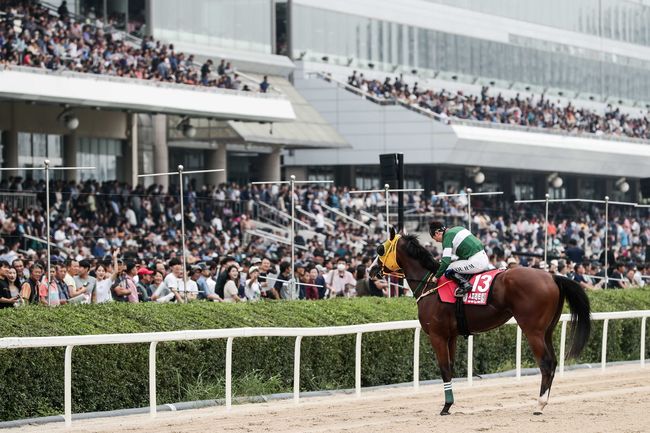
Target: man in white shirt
{"points": [[76, 295], [339, 281], [192, 286], [209, 282], [174, 279], [131, 217]]}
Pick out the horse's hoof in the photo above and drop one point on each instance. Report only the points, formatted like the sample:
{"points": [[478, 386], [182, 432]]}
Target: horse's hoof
{"points": [[445, 409], [537, 412]]}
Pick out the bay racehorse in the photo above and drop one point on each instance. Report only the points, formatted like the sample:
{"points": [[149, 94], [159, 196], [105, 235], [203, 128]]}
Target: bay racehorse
{"points": [[534, 297]]}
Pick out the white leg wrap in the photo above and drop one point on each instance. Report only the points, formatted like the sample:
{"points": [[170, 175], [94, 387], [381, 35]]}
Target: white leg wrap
{"points": [[542, 401]]}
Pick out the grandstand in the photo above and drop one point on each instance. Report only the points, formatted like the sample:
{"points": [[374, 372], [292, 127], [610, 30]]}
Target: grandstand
{"points": [[131, 91]]}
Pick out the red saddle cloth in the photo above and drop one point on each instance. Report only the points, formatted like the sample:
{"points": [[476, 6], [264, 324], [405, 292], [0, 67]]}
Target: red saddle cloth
{"points": [[481, 285]]}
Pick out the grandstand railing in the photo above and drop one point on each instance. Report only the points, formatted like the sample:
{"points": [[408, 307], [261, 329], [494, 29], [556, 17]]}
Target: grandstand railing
{"points": [[481, 124], [18, 200], [153, 83], [272, 215], [539, 130], [153, 338]]}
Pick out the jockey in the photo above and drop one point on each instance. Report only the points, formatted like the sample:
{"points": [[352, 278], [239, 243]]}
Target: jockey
{"points": [[462, 253]]}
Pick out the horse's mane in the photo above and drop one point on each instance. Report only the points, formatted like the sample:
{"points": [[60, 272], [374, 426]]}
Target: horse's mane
{"points": [[421, 254]]}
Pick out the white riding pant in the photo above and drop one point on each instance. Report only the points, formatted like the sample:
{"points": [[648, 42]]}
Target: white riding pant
{"points": [[479, 262]]}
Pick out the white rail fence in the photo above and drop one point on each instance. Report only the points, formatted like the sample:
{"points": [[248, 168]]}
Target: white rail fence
{"points": [[69, 342]]}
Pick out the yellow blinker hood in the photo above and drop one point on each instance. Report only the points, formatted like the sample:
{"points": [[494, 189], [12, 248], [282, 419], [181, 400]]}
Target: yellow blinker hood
{"points": [[389, 259]]}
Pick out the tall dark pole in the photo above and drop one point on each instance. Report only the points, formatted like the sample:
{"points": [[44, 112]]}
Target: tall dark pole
{"points": [[400, 194]]}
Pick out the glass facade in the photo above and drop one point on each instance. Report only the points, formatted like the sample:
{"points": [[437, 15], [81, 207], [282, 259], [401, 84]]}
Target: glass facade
{"points": [[102, 153], [234, 24], [33, 149], [621, 20], [524, 60]]}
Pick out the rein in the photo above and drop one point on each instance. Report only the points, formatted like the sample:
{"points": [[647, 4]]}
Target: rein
{"points": [[424, 282], [398, 273]]}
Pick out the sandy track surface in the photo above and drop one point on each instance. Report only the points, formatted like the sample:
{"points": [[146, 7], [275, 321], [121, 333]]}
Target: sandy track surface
{"points": [[585, 401]]}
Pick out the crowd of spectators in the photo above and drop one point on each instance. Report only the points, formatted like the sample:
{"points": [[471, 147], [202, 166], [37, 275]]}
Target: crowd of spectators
{"points": [[523, 111], [114, 242], [33, 35]]}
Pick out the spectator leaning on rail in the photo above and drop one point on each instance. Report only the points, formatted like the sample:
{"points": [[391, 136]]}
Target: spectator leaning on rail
{"points": [[462, 253], [85, 281], [145, 278], [339, 281], [6, 298], [32, 287]]}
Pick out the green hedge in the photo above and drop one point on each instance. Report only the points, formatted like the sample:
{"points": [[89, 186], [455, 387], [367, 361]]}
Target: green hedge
{"points": [[116, 376]]}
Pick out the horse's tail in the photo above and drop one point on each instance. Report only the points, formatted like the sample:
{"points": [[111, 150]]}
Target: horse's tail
{"points": [[580, 313]]}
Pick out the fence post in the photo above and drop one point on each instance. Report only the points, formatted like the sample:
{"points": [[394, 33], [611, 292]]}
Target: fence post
{"points": [[416, 359], [603, 356], [642, 358], [470, 359], [229, 373], [518, 359], [67, 386], [357, 365], [296, 370], [562, 349], [152, 379]]}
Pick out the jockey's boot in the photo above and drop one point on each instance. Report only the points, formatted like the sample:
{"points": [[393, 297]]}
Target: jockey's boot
{"points": [[464, 286]]}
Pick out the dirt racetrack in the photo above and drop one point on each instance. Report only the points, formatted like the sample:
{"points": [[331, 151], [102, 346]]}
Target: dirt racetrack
{"points": [[581, 401]]}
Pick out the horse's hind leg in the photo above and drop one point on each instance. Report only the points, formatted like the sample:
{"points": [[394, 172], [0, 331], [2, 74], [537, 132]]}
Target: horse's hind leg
{"points": [[546, 361], [549, 361]]}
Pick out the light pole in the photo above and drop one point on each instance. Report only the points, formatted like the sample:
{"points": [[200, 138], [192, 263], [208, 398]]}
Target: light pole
{"points": [[292, 185], [46, 167], [180, 172]]}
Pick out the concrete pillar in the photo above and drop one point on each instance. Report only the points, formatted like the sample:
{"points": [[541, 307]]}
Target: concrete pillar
{"points": [[9, 152], [160, 149], [270, 165], [70, 152], [217, 158]]}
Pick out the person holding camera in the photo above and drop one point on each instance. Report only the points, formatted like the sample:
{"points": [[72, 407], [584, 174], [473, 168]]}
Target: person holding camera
{"points": [[85, 281]]}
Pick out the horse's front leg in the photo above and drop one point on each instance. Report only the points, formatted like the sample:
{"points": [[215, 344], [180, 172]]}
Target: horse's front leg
{"points": [[442, 346]]}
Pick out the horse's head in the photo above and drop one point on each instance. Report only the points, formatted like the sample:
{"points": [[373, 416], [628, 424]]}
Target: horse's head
{"points": [[393, 255], [386, 260]]}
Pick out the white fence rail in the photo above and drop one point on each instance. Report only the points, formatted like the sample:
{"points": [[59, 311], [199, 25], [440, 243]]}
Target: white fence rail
{"points": [[69, 342]]}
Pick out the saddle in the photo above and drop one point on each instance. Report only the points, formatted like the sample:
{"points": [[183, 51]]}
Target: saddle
{"points": [[481, 286]]}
